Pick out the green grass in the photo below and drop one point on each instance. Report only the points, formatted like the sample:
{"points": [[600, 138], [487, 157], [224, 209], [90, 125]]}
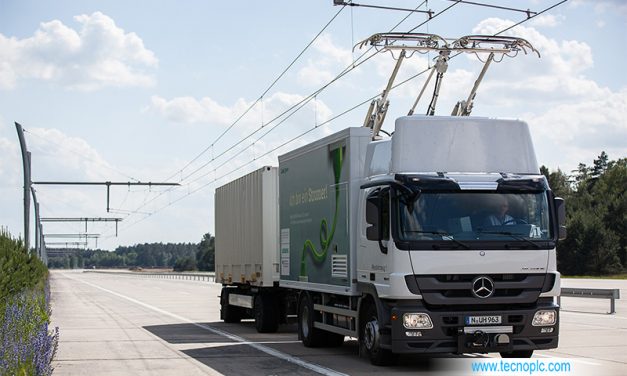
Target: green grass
{"points": [[612, 276], [27, 346]]}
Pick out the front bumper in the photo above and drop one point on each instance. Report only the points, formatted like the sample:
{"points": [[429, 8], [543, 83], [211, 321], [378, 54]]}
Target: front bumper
{"points": [[449, 336]]}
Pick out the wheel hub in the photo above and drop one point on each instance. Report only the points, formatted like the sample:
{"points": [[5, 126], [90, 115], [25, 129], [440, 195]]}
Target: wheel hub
{"points": [[304, 321], [371, 335]]}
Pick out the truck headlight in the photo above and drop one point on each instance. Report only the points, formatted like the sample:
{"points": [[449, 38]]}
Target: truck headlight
{"points": [[417, 321], [544, 318]]}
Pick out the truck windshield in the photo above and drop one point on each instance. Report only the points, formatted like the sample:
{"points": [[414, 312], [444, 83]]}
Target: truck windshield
{"points": [[464, 217]]}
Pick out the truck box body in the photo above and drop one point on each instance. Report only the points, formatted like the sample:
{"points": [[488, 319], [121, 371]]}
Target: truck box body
{"points": [[319, 185], [246, 240]]}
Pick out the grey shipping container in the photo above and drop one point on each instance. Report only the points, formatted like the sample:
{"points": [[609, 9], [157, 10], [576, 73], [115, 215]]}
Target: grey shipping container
{"points": [[246, 240]]}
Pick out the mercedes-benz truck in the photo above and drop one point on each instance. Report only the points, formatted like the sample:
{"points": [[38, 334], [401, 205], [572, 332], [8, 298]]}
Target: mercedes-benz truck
{"points": [[438, 239]]}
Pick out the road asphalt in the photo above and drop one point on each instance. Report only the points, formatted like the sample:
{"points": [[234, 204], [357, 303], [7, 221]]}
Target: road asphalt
{"points": [[126, 325]]}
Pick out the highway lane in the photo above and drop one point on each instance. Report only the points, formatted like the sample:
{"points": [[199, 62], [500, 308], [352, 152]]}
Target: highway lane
{"points": [[120, 325]]}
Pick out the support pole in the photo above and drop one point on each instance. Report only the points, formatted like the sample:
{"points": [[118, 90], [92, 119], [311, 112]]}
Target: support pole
{"points": [[379, 116], [38, 233], [441, 65], [108, 194], [42, 244], [612, 305], [422, 91], [465, 108], [37, 237], [27, 183]]}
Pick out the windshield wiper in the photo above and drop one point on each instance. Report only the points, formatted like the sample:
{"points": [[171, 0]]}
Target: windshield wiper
{"points": [[512, 234], [443, 234]]}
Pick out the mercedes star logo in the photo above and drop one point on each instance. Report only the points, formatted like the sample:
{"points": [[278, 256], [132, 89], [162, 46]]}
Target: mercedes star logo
{"points": [[483, 287]]}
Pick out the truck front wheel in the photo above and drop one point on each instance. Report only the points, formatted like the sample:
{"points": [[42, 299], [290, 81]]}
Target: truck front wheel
{"points": [[311, 337], [266, 317], [370, 338]]}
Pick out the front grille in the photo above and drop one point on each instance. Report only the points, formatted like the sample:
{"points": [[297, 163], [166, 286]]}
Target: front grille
{"points": [[456, 289]]}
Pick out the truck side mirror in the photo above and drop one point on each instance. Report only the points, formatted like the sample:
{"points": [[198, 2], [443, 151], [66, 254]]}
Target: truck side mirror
{"points": [[373, 232], [377, 216], [560, 209]]}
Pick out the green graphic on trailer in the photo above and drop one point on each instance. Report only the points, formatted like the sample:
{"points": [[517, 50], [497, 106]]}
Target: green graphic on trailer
{"points": [[313, 187], [325, 237]]}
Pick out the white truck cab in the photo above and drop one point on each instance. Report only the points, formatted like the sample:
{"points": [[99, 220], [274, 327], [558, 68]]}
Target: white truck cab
{"points": [[457, 238]]}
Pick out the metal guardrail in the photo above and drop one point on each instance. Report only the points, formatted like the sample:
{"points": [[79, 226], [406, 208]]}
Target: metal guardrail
{"points": [[611, 294], [184, 276]]}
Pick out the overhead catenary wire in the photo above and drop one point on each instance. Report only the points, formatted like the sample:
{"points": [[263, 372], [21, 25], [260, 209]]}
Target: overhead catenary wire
{"points": [[309, 97], [284, 116], [218, 178], [437, 14], [352, 4], [289, 66], [527, 12], [287, 113], [298, 105], [315, 93], [535, 15], [248, 109]]}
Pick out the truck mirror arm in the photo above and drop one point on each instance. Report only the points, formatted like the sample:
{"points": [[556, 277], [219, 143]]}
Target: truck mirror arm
{"points": [[560, 210], [382, 248]]}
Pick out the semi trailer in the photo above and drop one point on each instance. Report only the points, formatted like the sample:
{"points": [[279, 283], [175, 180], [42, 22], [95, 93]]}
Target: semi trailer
{"points": [[440, 238]]}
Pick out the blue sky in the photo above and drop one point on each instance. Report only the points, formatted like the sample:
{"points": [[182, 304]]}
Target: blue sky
{"points": [[127, 91]]}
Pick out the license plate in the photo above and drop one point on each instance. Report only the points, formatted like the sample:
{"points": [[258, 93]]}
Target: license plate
{"points": [[483, 320]]}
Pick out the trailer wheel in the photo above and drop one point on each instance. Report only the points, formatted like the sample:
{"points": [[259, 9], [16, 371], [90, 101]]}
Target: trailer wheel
{"points": [[370, 338], [266, 318], [228, 313], [311, 337], [517, 354]]}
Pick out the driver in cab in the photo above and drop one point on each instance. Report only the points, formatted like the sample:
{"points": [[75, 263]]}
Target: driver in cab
{"points": [[499, 217]]}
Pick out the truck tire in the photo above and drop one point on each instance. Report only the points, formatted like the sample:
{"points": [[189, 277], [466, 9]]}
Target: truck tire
{"points": [[266, 317], [517, 354], [230, 314], [370, 338], [311, 337]]}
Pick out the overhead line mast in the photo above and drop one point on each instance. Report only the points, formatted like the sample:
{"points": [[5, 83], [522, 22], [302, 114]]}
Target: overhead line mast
{"points": [[107, 183], [116, 220]]}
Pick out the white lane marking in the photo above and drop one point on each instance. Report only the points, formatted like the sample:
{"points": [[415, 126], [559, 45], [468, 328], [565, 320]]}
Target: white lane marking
{"points": [[270, 351], [576, 360], [598, 315]]}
